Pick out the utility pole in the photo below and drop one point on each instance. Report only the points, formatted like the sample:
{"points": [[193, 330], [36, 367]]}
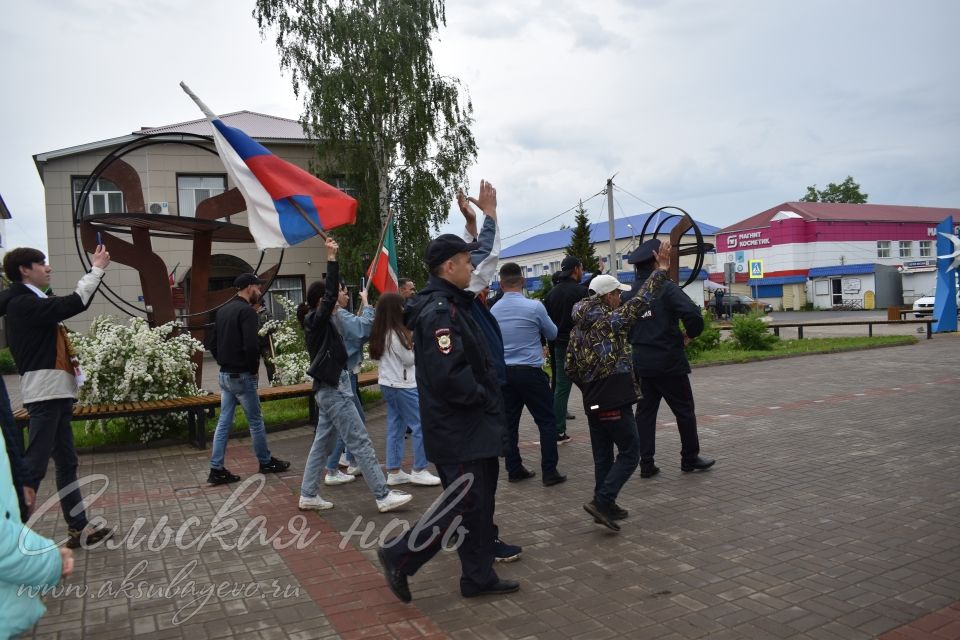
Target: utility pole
{"points": [[612, 264]]}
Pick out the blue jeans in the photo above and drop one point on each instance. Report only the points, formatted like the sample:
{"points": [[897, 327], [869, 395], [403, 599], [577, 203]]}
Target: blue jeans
{"points": [[609, 428], [333, 462], [240, 387], [338, 415], [403, 410]]}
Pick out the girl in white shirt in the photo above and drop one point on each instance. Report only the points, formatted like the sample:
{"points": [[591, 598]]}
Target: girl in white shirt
{"points": [[392, 344]]}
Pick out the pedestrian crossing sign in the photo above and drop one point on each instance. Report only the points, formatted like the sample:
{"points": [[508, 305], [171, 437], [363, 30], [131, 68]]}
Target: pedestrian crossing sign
{"points": [[756, 268]]}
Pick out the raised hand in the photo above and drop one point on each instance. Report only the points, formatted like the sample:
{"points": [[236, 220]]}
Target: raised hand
{"points": [[332, 247], [101, 257], [469, 215], [487, 200], [663, 255]]}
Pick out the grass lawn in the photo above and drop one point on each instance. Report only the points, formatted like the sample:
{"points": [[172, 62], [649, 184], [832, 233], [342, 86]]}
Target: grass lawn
{"points": [[728, 354]]}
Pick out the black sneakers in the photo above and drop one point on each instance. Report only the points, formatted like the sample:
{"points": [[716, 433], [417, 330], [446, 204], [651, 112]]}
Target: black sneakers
{"points": [[87, 537], [522, 474], [601, 515], [648, 471], [503, 552], [700, 464], [563, 438], [222, 476], [274, 466]]}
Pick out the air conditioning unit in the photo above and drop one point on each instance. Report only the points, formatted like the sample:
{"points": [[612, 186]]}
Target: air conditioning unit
{"points": [[159, 208]]}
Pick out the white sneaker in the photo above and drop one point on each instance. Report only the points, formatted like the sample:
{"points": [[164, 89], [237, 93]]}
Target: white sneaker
{"points": [[339, 477], [343, 460], [354, 470], [316, 503], [398, 477], [393, 500], [424, 478]]}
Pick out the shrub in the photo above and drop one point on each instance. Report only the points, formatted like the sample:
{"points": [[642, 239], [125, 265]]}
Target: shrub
{"points": [[289, 346], [132, 362], [7, 365], [708, 340], [751, 333]]}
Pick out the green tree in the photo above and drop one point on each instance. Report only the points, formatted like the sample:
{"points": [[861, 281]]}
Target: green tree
{"points": [[546, 283], [378, 112], [846, 191], [580, 246]]}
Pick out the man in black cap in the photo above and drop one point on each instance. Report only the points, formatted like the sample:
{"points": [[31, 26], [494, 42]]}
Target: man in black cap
{"points": [[566, 292], [660, 363], [236, 347], [461, 410]]}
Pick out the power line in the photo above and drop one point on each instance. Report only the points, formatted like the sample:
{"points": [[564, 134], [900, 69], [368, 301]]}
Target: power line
{"points": [[619, 188], [551, 219]]}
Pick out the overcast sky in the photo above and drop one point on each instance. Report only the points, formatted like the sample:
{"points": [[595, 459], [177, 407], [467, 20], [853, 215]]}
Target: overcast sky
{"points": [[722, 108]]}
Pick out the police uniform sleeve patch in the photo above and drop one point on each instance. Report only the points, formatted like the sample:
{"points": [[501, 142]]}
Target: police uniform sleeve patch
{"points": [[444, 341]]}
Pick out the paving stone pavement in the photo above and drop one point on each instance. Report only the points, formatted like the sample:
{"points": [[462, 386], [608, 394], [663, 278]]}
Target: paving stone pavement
{"points": [[833, 512]]}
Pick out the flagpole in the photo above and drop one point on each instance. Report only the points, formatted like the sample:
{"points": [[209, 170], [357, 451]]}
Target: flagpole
{"points": [[376, 259], [306, 216]]}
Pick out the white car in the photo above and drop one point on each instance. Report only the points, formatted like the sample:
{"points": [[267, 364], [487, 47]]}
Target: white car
{"points": [[924, 306]]}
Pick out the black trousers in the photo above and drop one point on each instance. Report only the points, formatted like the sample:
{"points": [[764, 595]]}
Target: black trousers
{"points": [[677, 392], [609, 428], [472, 501], [529, 386], [51, 436]]}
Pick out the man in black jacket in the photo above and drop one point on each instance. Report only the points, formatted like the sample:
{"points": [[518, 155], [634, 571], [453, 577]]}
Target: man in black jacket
{"points": [[50, 376], [236, 347], [559, 302], [462, 414], [660, 364]]}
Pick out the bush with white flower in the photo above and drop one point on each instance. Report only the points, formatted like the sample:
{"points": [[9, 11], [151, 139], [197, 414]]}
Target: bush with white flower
{"points": [[133, 362], [290, 359]]}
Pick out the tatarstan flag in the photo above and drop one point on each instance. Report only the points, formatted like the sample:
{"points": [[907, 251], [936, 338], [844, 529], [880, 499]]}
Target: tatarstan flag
{"points": [[383, 270]]}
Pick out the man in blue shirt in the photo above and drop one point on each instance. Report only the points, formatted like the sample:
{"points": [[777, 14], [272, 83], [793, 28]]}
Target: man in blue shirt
{"points": [[525, 325]]}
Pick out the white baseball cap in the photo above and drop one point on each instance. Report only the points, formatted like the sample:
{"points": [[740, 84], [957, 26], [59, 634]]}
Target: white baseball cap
{"points": [[604, 284]]}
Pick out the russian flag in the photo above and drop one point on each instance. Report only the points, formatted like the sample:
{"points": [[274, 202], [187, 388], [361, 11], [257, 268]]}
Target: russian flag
{"points": [[280, 196]]}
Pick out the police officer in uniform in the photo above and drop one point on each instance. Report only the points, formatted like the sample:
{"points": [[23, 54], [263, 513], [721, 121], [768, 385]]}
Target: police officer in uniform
{"points": [[660, 364], [462, 414]]}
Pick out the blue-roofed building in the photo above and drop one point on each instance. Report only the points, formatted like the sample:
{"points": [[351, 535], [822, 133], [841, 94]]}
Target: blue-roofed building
{"points": [[541, 254]]}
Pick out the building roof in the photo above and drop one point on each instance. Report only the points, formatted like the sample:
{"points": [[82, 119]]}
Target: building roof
{"points": [[4, 212], [842, 270], [834, 211], [258, 126], [255, 125], [599, 233]]}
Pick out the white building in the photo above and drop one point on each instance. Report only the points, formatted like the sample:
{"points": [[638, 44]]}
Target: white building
{"points": [[830, 254]]}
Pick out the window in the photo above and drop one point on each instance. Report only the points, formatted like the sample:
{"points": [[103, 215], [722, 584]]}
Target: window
{"points": [[340, 182], [554, 266], [883, 248], [926, 248], [103, 197], [290, 287], [192, 190], [906, 248]]}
